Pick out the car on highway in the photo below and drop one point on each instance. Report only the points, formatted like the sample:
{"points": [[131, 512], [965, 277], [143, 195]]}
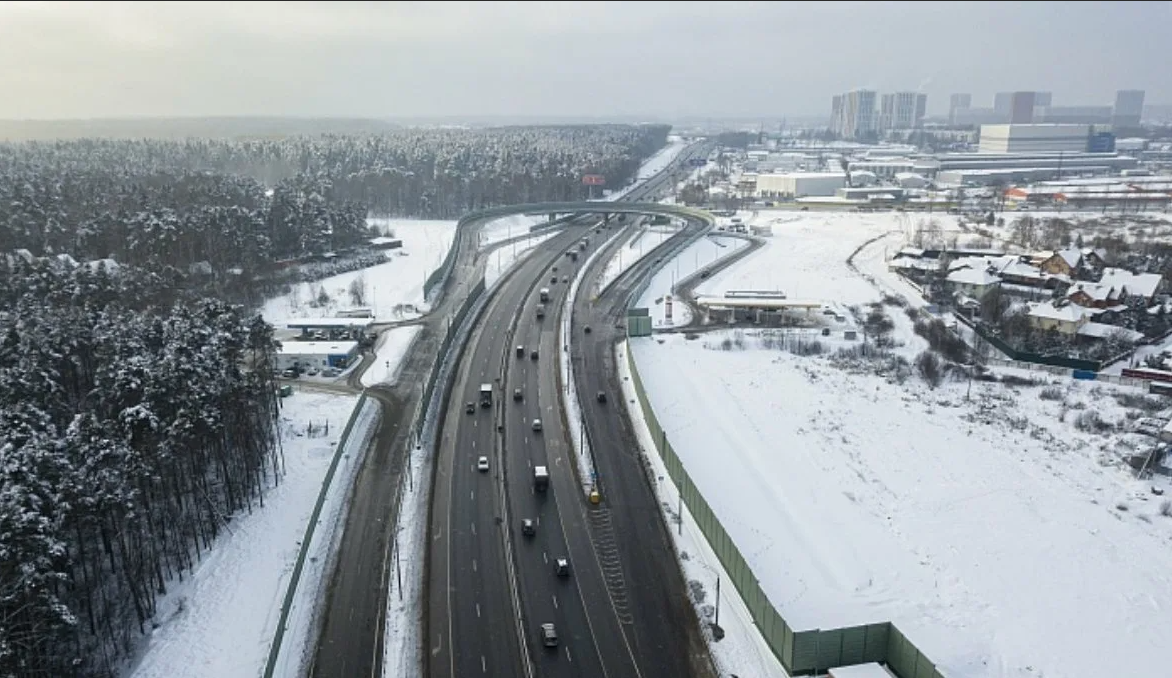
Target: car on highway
{"points": [[533, 354], [482, 463], [520, 351], [536, 424], [553, 280], [528, 528], [601, 397], [588, 330], [470, 407], [565, 278], [517, 395], [562, 567], [549, 635]]}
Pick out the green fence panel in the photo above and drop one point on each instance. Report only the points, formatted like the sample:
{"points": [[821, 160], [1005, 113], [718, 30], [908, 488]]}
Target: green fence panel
{"points": [[899, 659], [876, 642], [924, 666], [787, 647], [853, 645], [805, 654], [829, 648]]}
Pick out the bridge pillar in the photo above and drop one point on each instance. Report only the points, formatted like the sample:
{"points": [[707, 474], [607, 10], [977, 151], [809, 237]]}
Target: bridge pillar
{"points": [[553, 217], [606, 219]]}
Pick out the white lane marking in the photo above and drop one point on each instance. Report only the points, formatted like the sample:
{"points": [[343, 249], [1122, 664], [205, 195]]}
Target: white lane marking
{"points": [[545, 557], [483, 665], [473, 528], [555, 602], [473, 564], [472, 495], [478, 610], [568, 657]]}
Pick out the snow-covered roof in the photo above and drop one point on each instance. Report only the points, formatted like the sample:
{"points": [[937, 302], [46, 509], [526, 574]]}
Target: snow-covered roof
{"points": [[1070, 256], [1102, 331], [1071, 313], [872, 670], [318, 347], [1139, 284], [1021, 269], [972, 276], [325, 323], [95, 264], [1095, 291]]}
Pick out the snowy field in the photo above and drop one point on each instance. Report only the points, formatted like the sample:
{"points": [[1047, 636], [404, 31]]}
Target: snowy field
{"points": [[392, 347], [704, 252], [507, 227], [394, 290], [742, 651], [1001, 532], [221, 619], [640, 244]]}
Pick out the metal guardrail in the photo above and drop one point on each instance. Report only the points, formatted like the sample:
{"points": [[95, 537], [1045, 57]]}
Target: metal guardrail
{"points": [[307, 539]]}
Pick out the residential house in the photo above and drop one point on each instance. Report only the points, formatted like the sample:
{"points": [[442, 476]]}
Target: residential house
{"points": [[1063, 262], [973, 282], [1093, 258], [1061, 316], [1095, 295], [1135, 285]]}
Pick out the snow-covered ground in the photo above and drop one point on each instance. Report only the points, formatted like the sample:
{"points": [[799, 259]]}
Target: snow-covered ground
{"points": [[507, 227], [500, 261], [221, 619], [392, 346], [1002, 533], [402, 643], [703, 252], [656, 163], [742, 651], [394, 290], [640, 244]]}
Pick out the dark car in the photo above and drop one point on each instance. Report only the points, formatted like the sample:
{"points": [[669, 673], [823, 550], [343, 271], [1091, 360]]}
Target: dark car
{"points": [[601, 397], [533, 355], [517, 394], [588, 330], [528, 528]]}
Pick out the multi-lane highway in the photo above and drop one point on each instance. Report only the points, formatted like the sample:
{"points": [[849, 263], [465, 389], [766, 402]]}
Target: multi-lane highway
{"points": [[491, 587]]}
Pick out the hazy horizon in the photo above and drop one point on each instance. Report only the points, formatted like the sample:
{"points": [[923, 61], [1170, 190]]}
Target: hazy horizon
{"points": [[581, 60]]}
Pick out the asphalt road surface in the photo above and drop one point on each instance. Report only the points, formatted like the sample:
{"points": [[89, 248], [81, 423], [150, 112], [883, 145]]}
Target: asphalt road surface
{"points": [[663, 630], [481, 563]]}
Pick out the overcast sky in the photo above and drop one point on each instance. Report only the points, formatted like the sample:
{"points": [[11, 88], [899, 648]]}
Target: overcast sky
{"points": [[664, 59]]}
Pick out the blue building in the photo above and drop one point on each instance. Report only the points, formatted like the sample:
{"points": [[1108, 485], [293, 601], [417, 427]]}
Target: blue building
{"points": [[1101, 142]]}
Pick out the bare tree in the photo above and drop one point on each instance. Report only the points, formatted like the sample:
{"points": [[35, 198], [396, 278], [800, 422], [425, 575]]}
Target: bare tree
{"points": [[358, 290]]}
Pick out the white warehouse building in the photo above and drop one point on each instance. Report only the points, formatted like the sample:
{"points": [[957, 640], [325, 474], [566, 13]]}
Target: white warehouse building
{"points": [[319, 354], [1034, 138], [799, 184]]}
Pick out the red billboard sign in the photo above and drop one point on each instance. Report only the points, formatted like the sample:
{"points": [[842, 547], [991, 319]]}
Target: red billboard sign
{"points": [[593, 180]]}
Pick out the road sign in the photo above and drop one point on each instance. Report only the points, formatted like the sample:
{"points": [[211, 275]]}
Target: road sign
{"points": [[593, 180], [698, 162]]}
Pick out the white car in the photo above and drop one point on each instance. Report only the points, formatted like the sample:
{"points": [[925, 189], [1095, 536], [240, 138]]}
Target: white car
{"points": [[536, 424], [482, 463]]}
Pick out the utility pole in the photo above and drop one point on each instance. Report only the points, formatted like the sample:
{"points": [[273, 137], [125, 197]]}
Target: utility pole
{"points": [[398, 570], [716, 622]]}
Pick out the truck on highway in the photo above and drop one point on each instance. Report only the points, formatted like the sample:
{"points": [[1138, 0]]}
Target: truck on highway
{"points": [[540, 478], [541, 310], [544, 294], [486, 395]]}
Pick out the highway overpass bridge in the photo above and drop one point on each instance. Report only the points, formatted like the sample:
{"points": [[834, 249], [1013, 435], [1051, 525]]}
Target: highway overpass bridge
{"points": [[605, 208]]}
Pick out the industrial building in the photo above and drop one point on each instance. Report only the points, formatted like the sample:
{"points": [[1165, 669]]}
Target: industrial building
{"points": [[1042, 138], [799, 184], [309, 354]]}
